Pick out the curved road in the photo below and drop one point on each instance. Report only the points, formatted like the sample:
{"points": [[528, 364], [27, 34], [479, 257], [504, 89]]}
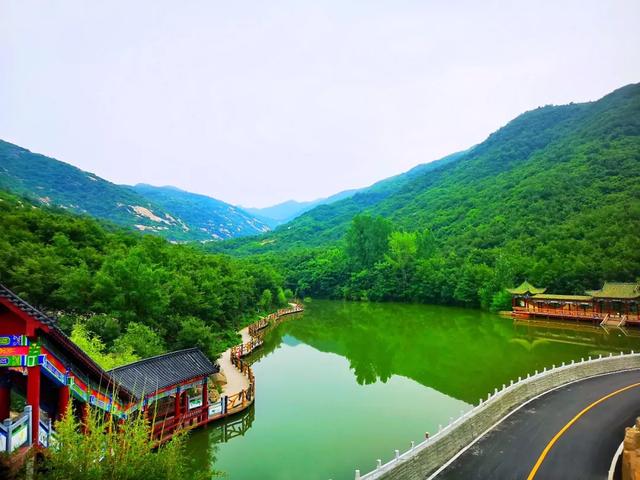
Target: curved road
{"points": [[580, 450]]}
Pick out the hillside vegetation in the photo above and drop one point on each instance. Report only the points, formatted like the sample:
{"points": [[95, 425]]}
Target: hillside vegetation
{"points": [[167, 212], [554, 197]]}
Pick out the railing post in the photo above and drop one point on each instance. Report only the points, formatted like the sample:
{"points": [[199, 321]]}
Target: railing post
{"points": [[28, 410], [7, 426]]}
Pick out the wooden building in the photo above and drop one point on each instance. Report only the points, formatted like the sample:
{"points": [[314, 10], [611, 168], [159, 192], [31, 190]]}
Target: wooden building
{"points": [[40, 363], [614, 304]]}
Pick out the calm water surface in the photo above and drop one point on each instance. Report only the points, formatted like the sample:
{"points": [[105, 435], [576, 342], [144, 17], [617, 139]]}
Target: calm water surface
{"points": [[346, 383]]}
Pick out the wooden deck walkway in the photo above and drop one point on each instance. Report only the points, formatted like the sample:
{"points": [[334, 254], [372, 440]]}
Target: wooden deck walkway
{"points": [[236, 380]]}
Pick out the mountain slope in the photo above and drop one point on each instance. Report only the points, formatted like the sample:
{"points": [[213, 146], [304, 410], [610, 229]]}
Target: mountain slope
{"points": [[52, 182], [552, 174], [213, 217]]}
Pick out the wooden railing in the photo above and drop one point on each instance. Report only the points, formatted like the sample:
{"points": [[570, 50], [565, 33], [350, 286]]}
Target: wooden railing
{"points": [[164, 429], [588, 314]]}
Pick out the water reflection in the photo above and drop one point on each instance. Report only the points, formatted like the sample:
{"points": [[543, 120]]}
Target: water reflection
{"points": [[222, 431], [460, 352]]}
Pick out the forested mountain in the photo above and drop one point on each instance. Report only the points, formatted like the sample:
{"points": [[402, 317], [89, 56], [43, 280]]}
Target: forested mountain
{"points": [[553, 196], [214, 218], [283, 212], [48, 181]]}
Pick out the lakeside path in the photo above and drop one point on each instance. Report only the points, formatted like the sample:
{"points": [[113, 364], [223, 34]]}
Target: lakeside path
{"points": [[583, 450], [236, 381]]}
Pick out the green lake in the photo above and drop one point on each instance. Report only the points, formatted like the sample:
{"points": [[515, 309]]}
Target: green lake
{"points": [[346, 383]]}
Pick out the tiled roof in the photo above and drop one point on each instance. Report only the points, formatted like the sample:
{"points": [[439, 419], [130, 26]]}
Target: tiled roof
{"points": [[552, 296], [155, 373], [617, 290], [524, 288]]}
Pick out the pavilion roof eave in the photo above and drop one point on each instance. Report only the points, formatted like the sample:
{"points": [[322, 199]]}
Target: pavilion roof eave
{"points": [[525, 288], [617, 291]]}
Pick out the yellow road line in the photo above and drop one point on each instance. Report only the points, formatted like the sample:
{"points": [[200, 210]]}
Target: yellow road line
{"points": [[549, 446]]}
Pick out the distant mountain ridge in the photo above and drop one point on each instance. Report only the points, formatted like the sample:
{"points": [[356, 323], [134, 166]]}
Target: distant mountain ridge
{"points": [[286, 211], [290, 210], [164, 211]]}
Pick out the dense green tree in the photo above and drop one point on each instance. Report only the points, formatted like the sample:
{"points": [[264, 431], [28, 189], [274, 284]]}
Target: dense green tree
{"points": [[142, 340], [367, 240], [195, 333], [266, 300], [281, 298], [403, 247], [93, 346]]}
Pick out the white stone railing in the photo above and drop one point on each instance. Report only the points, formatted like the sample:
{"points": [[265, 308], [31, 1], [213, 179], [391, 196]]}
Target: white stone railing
{"points": [[424, 459], [17, 432]]}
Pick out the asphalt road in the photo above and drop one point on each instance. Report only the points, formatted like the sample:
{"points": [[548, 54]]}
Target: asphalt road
{"points": [[585, 449]]}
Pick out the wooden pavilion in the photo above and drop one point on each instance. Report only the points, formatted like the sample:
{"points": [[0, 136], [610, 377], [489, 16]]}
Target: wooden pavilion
{"points": [[614, 304]]}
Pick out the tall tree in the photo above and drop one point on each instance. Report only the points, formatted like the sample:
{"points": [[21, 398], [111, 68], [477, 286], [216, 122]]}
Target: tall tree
{"points": [[367, 240]]}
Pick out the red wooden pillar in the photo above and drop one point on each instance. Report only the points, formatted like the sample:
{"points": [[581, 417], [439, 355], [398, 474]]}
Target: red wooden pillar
{"points": [[33, 399], [205, 400], [177, 407], [63, 401], [5, 397]]}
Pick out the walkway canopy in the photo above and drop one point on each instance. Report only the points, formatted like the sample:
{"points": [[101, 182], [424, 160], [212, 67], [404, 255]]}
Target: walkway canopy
{"points": [[158, 373]]}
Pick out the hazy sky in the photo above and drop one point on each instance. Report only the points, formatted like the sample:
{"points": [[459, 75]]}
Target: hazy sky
{"points": [[256, 102]]}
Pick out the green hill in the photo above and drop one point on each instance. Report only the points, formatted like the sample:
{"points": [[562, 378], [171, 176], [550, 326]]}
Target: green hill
{"points": [[554, 195], [172, 214]]}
